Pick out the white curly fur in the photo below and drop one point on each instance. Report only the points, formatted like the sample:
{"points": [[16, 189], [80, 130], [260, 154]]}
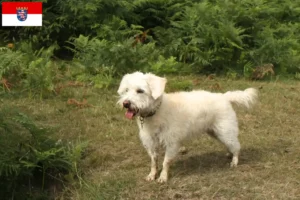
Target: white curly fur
{"points": [[181, 115]]}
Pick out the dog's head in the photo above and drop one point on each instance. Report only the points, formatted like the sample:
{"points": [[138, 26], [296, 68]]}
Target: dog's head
{"points": [[140, 92]]}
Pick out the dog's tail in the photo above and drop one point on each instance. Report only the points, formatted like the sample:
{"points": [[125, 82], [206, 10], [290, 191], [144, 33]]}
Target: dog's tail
{"points": [[245, 98]]}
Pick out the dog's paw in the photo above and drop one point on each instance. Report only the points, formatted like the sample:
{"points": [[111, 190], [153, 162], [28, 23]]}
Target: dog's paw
{"points": [[150, 177], [162, 179], [234, 162]]}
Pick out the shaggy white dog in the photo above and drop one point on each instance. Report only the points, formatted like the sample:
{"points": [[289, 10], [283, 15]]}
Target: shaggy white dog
{"points": [[168, 119]]}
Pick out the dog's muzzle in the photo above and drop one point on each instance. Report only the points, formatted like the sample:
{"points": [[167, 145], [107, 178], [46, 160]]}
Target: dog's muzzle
{"points": [[126, 104], [131, 111]]}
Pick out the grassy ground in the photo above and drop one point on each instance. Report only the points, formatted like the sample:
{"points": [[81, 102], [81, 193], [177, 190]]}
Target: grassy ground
{"points": [[115, 163]]}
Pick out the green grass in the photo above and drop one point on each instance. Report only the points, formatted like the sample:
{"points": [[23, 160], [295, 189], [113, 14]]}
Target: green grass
{"points": [[115, 163]]}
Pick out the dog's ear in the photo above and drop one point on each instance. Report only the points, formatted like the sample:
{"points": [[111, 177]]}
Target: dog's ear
{"points": [[156, 84], [121, 87]]}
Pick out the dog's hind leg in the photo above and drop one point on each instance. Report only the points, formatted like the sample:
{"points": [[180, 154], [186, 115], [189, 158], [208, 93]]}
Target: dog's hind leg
{"points": [[229, 137], [212, 134]]}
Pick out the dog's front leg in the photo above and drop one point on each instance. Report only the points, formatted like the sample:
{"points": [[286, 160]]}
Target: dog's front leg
{"points": [[171, 152], [151, 145], [153, 171]]}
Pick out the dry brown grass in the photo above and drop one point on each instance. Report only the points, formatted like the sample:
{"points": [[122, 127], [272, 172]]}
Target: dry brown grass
{"points": [[115, 162]]}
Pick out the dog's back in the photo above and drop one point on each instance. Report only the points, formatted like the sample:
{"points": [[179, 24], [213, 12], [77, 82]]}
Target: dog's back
{"points": [[245, 98]]}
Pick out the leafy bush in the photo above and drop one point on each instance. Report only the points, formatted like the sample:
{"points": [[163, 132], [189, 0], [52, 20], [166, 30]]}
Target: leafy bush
{"points": [[165, 66], [216, 35], [109, 38], [30, 155], [101, 60], [30, 69]]}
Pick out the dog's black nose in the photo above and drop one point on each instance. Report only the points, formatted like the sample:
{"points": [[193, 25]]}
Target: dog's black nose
{"points": [[126, 104]]}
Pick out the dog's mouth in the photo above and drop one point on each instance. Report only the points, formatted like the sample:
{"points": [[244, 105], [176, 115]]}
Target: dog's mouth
{"points": [[130, 113]]}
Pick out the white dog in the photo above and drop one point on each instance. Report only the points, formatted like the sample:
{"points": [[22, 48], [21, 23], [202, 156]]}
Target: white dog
{"points": [[168, 119]]}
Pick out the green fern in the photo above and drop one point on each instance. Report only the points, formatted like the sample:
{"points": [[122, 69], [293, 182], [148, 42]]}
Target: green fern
{"points": [[11, 62], [26, 148]]}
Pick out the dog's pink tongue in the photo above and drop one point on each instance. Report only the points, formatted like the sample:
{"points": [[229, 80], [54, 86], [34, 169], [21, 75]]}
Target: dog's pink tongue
{"points": [[129, 114]]}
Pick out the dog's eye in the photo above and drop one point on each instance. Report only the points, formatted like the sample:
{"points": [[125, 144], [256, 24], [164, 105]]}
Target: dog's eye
{"points": [[126, 90], [140, 91]]}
